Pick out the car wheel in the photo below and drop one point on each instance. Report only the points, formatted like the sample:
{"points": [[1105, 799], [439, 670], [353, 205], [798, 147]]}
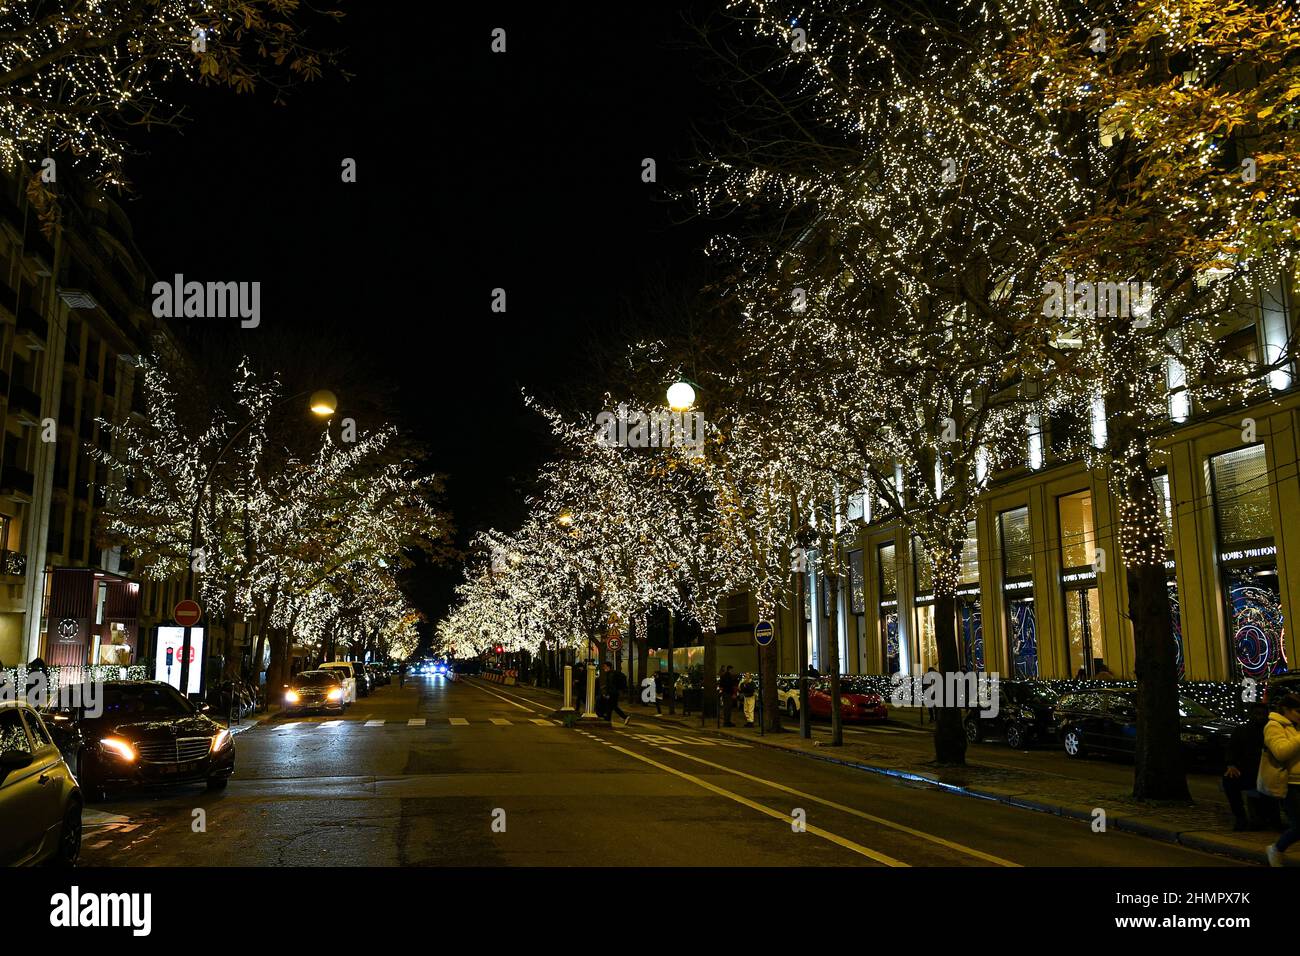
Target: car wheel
{"points": [[218, 783], [1016, 737], [974, 733], [69, 838], [1073, 741], [791, 710]]}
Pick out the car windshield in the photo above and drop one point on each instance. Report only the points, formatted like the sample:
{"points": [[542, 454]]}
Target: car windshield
{"points": [[144, 700], [315, 679], [1190, 708]]}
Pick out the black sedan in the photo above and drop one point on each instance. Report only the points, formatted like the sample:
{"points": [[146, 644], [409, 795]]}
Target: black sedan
{"points": [[314, 690], [1024, 715], [1105, 722], [141, 734]]}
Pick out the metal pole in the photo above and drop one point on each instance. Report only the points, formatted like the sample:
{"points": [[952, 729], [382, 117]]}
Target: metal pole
{"points": [[591, 683], [672, 680], [759, 654], [568, 687]]}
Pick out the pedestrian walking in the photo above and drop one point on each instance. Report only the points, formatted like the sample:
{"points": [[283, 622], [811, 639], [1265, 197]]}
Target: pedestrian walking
{"points": [[1251, 810], [580, 688], [401, 675], [1279, 771], [749, 697], [610, 681], [661, 679], [728, 682]]}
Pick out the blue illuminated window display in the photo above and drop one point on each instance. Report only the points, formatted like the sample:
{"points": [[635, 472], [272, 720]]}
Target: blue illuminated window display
{"points": [[889, 630], [972, 634], [1024, 637], [1256, 631], [1176, 623]]}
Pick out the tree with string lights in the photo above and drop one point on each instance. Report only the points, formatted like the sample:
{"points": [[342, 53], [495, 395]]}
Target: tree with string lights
{"points": [[74, 77]]}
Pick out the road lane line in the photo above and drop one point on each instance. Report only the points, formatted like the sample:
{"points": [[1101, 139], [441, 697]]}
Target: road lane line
{"points": [[331, 723], [415, 722], [775, 814], [902, 828], [543, 722], [291, 724], [374, 723], [501, 722], [499, 697], [458, 721]]}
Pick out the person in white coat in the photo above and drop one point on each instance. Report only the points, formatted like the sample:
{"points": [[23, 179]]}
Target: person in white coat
{"points": [[1279, 770]]}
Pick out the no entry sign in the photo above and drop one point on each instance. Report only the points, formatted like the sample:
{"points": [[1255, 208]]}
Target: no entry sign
{"points": [[187, 613]]}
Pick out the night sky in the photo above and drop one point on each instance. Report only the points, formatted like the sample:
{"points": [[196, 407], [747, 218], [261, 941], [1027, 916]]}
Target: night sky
{"points": [[475, 171]]}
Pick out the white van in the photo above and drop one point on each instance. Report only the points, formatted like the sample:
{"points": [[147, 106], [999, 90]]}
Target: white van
{"points": [[344, 670]]}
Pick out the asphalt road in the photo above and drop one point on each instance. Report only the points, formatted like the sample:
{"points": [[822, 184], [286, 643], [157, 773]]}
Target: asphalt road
{"points": [[444, 773]]}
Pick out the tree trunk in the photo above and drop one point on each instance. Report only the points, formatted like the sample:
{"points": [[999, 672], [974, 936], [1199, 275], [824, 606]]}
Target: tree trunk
{"points": [[771, 707], [709, 686], [643, 650], [949, 734], [1158, 772], [833, 653]]}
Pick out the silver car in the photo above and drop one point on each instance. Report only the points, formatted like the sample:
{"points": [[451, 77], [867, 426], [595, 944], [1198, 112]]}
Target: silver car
{"points": [[40, 801]]}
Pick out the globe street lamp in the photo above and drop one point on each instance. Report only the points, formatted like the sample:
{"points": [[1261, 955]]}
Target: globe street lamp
{"points": [[681, 396], [322, 404]]}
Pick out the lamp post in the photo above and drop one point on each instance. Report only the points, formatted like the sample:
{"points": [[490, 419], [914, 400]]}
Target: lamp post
{"points": [[322, 403]]}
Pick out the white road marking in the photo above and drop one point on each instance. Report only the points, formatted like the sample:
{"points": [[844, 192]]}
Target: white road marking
{"points": [[960, 848], [288, 726], [458, 721], [374, 723], [754, 805], [415, 722], [501, 722], [506, 699], [542, 721], [331, 723]]}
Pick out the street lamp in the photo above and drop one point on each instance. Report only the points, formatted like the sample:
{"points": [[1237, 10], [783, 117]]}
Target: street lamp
{"points": [[681, 396], [323, 404]]}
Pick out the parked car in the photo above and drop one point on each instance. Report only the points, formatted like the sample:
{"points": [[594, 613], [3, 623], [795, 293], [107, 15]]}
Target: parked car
{"points": [[379, 675], [351, 684], [1105, 722], [147, 734], [1024, 715], [40, 801], [315, 690], [858, 699], [787, 694]]}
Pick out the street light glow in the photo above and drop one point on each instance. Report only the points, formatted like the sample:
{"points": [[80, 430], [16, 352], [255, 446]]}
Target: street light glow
{"points": [[323, 403], [680, 396]]}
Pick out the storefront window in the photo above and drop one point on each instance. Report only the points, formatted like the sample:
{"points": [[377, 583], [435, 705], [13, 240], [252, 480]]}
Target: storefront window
{"points": [[1248, 562], [1083, 630], [888, 618], [970, 621], [857, 597], [1018, 587]]}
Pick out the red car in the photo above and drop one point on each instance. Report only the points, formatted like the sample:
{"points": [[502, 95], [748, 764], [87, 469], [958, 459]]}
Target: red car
{"points": [[857, 700]]}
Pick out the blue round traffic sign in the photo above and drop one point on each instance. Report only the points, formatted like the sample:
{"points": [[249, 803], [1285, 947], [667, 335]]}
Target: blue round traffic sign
{"points": [[763, 633]]}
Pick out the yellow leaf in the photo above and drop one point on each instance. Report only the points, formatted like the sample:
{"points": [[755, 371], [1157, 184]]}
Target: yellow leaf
{"points": [[1266, 111]]}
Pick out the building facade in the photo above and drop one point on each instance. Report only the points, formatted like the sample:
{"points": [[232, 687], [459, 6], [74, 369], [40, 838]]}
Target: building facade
{"points": [[74, 325]]}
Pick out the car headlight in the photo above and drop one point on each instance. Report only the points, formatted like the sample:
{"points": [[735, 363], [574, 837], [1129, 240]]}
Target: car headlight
{"points": [[118, 748], [290, 697], [335, 694], [221, 740], [846, 702]]}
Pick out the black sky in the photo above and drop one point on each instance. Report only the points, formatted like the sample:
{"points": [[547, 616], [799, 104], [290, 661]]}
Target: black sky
{"points": [[476, 171]]}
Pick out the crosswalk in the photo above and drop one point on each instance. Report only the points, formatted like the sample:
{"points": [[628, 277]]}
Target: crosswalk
{"points": [[414, 722]]}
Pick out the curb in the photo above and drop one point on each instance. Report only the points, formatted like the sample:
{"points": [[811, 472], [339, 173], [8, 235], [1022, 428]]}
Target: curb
{"points": [[1189, 838]]}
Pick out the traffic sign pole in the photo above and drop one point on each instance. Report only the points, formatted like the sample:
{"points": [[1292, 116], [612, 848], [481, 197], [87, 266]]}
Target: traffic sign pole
{"points": [[763, 634]]}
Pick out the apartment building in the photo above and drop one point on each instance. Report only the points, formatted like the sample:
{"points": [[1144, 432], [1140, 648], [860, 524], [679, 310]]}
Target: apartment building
{"points": [[74, 321]]}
